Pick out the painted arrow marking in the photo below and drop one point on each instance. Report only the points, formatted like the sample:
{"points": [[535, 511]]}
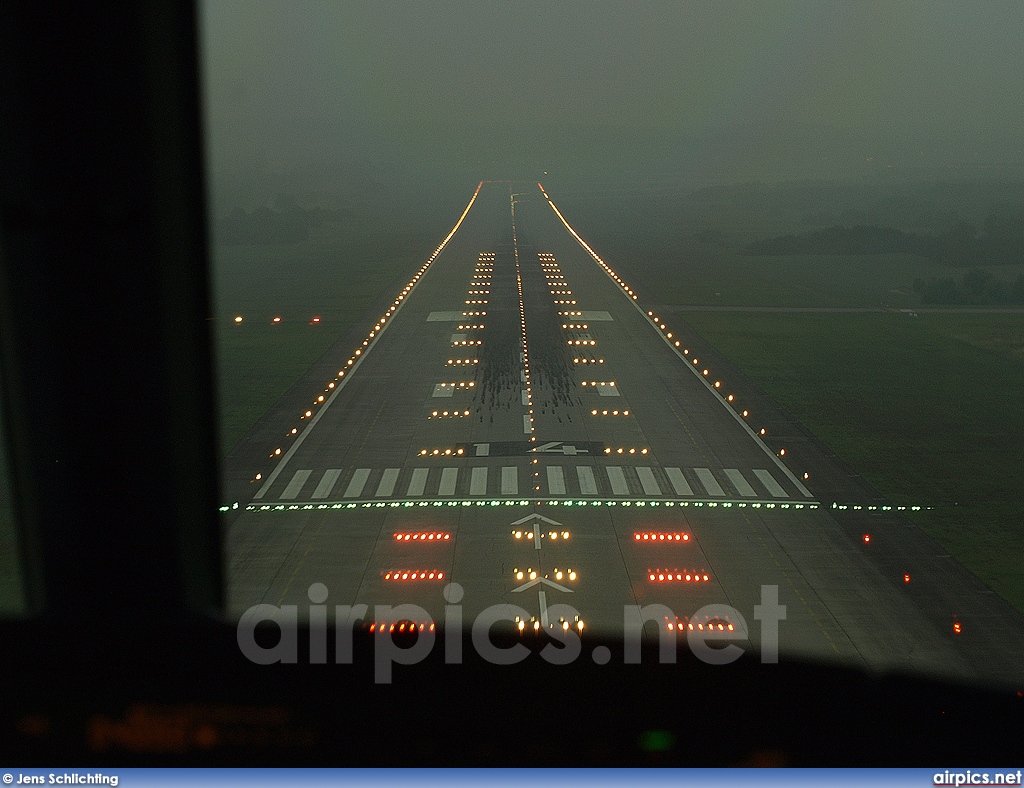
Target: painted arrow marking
{"points": [[540, 581], [542, 597], [535, 517]]}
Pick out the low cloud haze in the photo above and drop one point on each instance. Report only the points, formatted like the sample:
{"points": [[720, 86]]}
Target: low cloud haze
{"points": [[659, 92]]}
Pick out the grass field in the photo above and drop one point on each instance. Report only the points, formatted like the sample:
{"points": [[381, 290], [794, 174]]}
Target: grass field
{"points": [[927, 410], [336, 278]]}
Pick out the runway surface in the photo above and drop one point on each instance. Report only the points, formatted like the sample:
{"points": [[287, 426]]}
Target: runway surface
{"points": [[519, 428]]}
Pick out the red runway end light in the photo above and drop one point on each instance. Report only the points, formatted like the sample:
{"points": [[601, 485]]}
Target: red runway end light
{"points": [[428, 536], [676, 576], [316, 319], [867, 538], [708, 624], [661, 537], [408, 575], [906, 578], [957, 628]]}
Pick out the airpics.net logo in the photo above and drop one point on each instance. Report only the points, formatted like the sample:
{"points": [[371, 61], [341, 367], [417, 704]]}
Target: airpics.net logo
{"points": [[968, 777], [565, 646]]}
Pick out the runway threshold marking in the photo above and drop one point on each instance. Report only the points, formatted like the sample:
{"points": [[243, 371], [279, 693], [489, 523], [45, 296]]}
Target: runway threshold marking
{"points": [[709, 481], [588, 484], [556, 480], [295, 485], [330, 478], [678, 481], [358, 481], [773, 487], [741, 484], [647, 481], [617, 479], [510, 480], [376, 503], [624, 480], [449, 476]]}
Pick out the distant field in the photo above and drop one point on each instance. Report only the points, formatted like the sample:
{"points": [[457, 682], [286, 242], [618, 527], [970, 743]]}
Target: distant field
{"points": [[336, 278], [697, 275], [692, 273], [927, 410], [691, 254]]}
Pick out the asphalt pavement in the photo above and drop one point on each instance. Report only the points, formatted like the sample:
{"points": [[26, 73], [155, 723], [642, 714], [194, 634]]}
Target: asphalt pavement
{"points": [[522, 429]]}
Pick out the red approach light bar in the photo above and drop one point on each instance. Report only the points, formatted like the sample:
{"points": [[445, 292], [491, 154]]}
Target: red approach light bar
{"points": [[676, 576], [708, 624], [399, 626], [660, 536], [409, 575], [427, 536]]}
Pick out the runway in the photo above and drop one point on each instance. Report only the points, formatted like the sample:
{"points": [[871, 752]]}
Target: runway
{"points": [[519, 428]]}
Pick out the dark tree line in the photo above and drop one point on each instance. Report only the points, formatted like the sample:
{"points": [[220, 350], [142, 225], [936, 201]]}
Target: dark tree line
{"points": [[838, 240], [999, 241], [977, 287], [285, 221]]}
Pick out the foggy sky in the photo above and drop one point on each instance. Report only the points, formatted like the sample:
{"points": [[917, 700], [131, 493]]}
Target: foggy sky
{"points": [[498, 87]]}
